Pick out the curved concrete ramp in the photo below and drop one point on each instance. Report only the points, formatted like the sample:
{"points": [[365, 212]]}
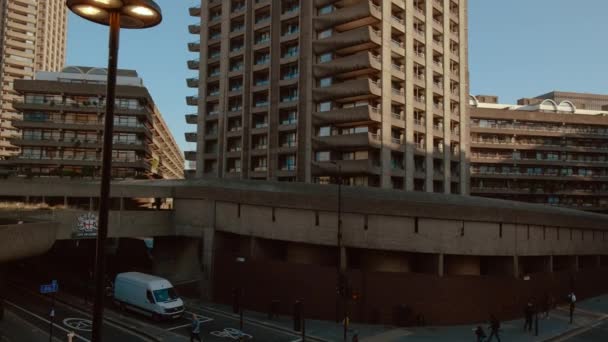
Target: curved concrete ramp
{"points": [[26, 239]]}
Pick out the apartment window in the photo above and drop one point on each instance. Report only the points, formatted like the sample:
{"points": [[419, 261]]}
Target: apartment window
{"points": [[290, 28], [287, 162], [288, 139], [262, 37], [326, 57], [288, 117], [325, 106], [325, 82], [324, 131], [326, 9], [259, 163], [289, 94], [291, 50], [290, 72], [325, 34], [234, 165], [322, 156]]}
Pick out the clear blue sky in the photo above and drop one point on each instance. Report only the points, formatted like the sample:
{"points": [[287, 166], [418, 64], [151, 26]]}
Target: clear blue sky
{"points": [[518, 48]]}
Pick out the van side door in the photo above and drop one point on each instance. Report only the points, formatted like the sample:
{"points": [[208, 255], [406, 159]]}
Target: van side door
{"points": [[150, 303]]}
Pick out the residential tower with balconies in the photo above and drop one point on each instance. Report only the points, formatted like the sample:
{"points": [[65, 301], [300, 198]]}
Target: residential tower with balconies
{"points": [[372, 92], [546, 153]]}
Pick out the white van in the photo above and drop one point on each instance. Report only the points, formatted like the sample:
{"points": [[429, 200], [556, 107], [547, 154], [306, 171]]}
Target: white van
{"points": [[147, 294]]}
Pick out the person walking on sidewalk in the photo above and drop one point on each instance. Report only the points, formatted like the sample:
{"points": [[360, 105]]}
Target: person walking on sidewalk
{"points": [[494, 328], [195, 333], [546, 305], [480, 334], [572, 300], [528, 314]]}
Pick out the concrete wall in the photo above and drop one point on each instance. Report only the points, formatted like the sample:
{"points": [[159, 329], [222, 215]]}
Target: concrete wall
{"points": [[388, 232], [26, 240]]}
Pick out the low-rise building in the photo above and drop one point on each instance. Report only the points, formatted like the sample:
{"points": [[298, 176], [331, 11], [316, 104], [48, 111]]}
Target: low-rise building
{"points": [[62, 127], [550, 153]]}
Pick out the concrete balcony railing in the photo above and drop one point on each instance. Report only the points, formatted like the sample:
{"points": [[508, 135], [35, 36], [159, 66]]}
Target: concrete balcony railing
{"points": [[346, 115], [194, 64], [192, 119], [192, 100], [348, 167], [195, 11], [363, 13], [194, 29], [192, 82], [190, 155], [355, 89], [191, 137], [362, 38], [347, 141], [194, 46], [360, 61], [321, 3]]}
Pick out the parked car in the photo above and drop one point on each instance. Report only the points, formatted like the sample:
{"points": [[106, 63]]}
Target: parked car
{"points": [[147, 294]]}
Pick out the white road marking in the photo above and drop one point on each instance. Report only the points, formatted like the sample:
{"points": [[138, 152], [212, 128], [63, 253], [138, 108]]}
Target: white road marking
{"points": [[233, 317], [44, 320], [202, 319]]}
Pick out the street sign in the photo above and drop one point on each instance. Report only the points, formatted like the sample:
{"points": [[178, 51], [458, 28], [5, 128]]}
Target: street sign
{"points": [[50, 288]]}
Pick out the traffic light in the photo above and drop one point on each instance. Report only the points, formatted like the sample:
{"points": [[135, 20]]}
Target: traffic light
{"points": [[342, 285]]}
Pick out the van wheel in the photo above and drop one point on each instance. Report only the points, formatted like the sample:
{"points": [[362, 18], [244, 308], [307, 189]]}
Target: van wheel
{"points": [[122, 307]]}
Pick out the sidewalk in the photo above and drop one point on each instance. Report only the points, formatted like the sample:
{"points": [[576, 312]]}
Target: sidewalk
{"points": [[588, 312], [16, 329]]}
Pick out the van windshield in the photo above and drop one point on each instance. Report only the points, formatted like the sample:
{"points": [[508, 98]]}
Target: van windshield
{"points": [[165, 295]]}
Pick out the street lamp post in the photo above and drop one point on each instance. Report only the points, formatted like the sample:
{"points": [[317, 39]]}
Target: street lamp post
{"points": [[341, 275], [117, 14]]}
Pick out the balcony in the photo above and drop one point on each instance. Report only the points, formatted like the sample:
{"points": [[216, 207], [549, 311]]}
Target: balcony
{"points": [[192, 82], [192, 119], [194, 46], [360, 62], [364, 13], [190, 155], [347, 167], [192, 100], [357, 89], [362, 38], [347, 141], [191, 137], [194, 29], [362, 114], [194, 64], [195, 11]]}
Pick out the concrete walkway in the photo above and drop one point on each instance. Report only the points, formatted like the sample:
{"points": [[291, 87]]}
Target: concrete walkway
{"points": [[588, 312]]}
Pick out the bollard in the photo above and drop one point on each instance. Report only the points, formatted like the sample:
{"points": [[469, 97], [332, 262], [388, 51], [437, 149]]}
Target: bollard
{"points": [[297, 315], [241, 321], [71, 336]]}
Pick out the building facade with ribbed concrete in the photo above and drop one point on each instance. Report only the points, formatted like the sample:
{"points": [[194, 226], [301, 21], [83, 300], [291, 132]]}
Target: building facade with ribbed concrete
{"points": [[372, 92], [32, 38], [62, 128]]}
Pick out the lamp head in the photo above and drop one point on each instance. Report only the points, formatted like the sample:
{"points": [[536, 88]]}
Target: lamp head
{"points": [[134, 14]]}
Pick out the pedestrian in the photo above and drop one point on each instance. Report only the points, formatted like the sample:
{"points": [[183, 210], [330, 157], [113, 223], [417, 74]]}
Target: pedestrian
{"points": [[547, 305], [572, 301], [480, 334], [494, 328], [196, 329], [528, 313]]}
